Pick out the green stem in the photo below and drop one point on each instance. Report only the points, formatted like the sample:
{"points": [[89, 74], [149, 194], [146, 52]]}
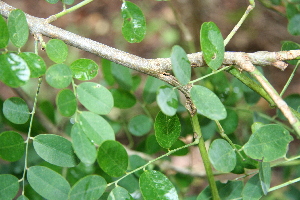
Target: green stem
{"points": [[284, 184], [29, 133], [210, 74], [290, 79], [205, 158], [156, 159]]}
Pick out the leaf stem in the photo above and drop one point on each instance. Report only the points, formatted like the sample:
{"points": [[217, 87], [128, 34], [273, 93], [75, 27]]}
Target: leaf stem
{"points": [[205, 158], [29, 133], [151, 161], [290, 79], [210, 74]]}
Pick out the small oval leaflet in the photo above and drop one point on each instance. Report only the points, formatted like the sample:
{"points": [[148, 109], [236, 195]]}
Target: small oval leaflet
{"points": [[40, 177], [122, 98], [181, 65], [155, 185], [222, 155], [84, 69], [95, 97], [112, 158], [134, 23], [35, 63], [212, 45], [57, 50], [14, 71], [208, 103], [18, 28], [59, 76], [9, 186], [268, 143], [84, 148], [66, 102], [119, 193], [55, 149], [167, 100], [89, 187], [140, 125], [4, 36], [12, 146], [122, 75], [167, 129], [16, 110]]}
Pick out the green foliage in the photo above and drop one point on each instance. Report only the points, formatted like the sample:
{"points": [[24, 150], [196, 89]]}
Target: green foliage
{"points": [[71, 148]]}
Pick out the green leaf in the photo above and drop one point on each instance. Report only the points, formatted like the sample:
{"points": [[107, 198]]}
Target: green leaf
{"points": [[207, 103], [140, 125], [57, 50], [293, 25], [291, 10], [122, 75], [4, 35], [181, 152], [52, 1], [167, 100], [48, 183], [95, 97], [119, 193], [68, 2], [22, 197], [35, 63], [155, 185], [106, 71], [55, 150], [252, 189], [212, 45], [135, 162], [288, 45], [230, 123], [151, 87], [112, 158], [222, 155], [243, 162], [122, 98], [96, 127], [293, 101], [152, 145], [14, 71], [18, 28], [12, 146], [84, 148], [268, 143], [9, 186], [265, 176], [89, 187], [59, 76], [181, 65], [66, 102], [227, 191], [167, 129], [84, 69], [16, 110], [134, 22]]}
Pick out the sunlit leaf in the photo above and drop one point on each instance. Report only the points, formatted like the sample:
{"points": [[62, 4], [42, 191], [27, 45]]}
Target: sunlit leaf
{"points": [[35, 63], [89, 187], [55, 150], [16, 110], [96, 127], [207, 103], [95, 97], [268, 143], [12, 146], [18, 28], [9, 186], [155, 185], [181, 65], [4, 36], [48, 183], [14, 71], [57, 50], [112, 158], [84, 69], [222, 155], [167, 100], [167, 129], [66, 102], [59, 76], [212, 45], [84, 148], [134, 23]]}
